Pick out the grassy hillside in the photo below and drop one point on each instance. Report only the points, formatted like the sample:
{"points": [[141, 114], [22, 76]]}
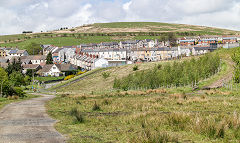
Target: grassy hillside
{"points": [[106, 32], [98, 84], [89, 114], [150, 27]]}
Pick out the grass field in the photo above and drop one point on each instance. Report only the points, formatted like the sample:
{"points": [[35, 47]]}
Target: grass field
{"points": [[48, 78], [81, 34], [156, 26], [88, 114], [5, 101], [149, 116]]}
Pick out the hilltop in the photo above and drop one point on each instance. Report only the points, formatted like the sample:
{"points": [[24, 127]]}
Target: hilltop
{"points": [[107, 32], [117, 27]]}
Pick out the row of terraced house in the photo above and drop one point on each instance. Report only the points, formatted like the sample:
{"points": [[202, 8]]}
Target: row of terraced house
{"points": [[108, 54], [105, 54]]}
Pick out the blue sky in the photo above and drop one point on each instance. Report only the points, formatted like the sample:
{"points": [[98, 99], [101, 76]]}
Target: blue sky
{"points": [[41, 15]]}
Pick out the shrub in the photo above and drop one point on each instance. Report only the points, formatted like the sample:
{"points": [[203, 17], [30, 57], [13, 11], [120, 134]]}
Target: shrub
{"points": [[96, 107], [81, 72], [171, 74], [69, 77], [78, 116], [18, 91], [78, 102], [106, 102], [135, 68], [105, 75], [148, 136], [159, 66]]}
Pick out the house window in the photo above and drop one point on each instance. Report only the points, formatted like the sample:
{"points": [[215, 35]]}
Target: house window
{"points": [[54, 68]]}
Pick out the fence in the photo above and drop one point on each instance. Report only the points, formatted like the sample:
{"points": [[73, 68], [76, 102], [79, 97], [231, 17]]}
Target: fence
{"points": [[231, 86], [229, 45]]}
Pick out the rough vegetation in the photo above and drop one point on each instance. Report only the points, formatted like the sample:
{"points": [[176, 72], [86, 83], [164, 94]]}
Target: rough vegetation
{"points": [[107, 32], [171, 74]]}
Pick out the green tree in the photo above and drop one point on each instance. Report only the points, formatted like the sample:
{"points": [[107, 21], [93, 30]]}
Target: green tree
{"points": [[14, 66], [3, 79], [16, 79], [172, 39], [49, 58], [236, 59], [33, 48]]}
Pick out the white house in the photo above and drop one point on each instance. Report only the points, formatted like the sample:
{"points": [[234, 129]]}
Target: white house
{"points": [[17, 53], [56, 69], [100, 63], [50, 70]]}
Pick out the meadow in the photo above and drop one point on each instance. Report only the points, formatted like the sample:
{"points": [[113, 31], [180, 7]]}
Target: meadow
{"points": [[90, 111], [149, 116], [5, 101]]}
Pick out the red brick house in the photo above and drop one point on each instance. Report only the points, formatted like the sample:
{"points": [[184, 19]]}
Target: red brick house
{"points": [[187, 42], [207, 41], [229, 40]]}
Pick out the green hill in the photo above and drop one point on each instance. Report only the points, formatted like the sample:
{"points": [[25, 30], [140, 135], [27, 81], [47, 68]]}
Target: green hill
{"points": [[106, 32]]}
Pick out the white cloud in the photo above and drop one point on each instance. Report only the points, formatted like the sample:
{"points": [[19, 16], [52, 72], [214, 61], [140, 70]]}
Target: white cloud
{"points": [[19, 15], [127, 5]]}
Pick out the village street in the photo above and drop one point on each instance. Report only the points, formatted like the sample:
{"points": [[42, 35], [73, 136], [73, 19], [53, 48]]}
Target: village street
{"points": [[27, 121]]}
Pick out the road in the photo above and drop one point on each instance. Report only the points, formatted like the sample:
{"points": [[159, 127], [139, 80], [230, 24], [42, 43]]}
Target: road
{"points": [[28, 122]]}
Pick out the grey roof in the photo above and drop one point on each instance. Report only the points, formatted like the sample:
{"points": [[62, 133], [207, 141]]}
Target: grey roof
{"points": [[66, 67], [30, 66], [58, 50], [208, 40], [201, 48], [148, 40], [109, 43], [34, 57], [3, 60], [187, 40], [13, 52], [130, 42], [229, 38]]}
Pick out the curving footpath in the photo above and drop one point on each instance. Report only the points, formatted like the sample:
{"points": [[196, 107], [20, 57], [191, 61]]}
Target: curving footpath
{"points": [[28, 122]]}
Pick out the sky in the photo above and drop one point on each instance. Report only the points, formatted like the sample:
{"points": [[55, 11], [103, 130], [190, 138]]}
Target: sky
{"points": [[46, 15]]}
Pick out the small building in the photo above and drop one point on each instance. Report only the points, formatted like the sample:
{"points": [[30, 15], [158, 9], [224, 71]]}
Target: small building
{"points": [[57, 70], [27, 67], [231, 40], [34, 59], [187, 42], [116, 63], [100, 63], [207, 41], [3, 53], [4, 62], [200, 50], [17, 53]]}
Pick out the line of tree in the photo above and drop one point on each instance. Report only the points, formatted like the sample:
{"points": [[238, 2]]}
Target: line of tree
{"points": [[236, 60], [12, 79], [174, 74]]}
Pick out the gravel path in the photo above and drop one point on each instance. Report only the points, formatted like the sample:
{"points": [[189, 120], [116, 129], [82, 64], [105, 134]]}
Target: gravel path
{"points": [[28, 122], [224, 79]]}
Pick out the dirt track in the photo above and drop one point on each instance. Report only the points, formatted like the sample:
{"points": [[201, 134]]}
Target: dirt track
{"points": [[28, 122]]}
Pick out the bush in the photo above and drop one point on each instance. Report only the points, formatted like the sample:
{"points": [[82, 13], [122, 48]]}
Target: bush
{"points": [[105, 75], [18, 91], [171, 74], [96, 107], [81, 72], [78, 116], [69, 77], [135, 68], [148, 136]]}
